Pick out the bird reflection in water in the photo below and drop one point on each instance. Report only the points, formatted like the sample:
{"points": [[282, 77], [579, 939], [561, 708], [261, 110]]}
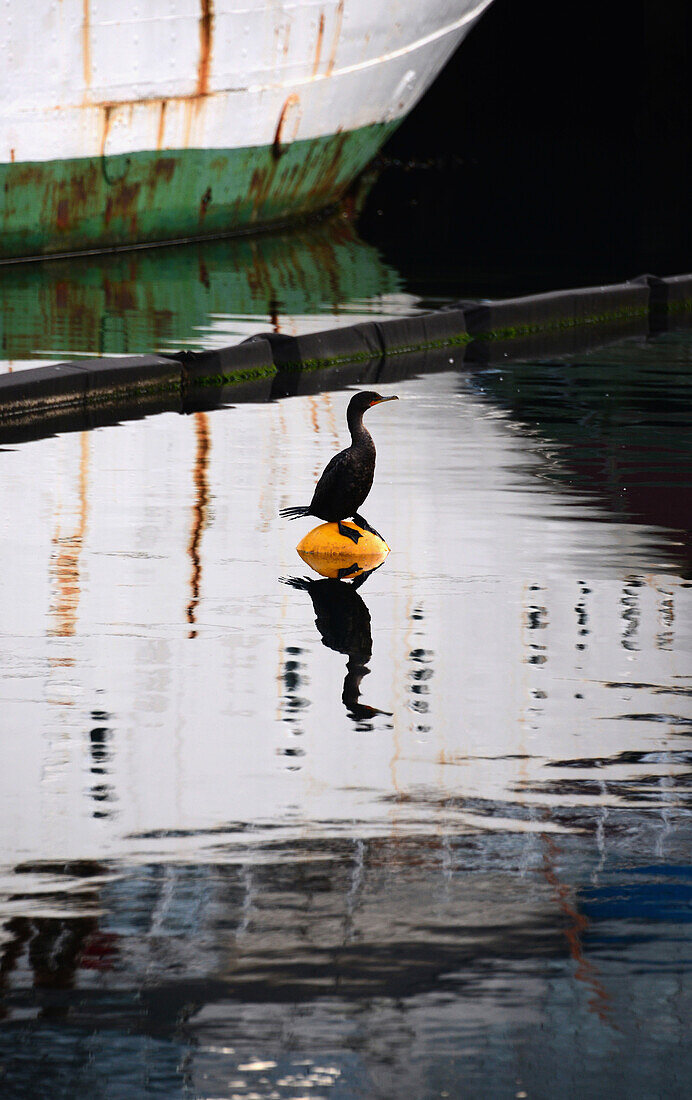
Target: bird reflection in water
{"points": [[343, 620]]}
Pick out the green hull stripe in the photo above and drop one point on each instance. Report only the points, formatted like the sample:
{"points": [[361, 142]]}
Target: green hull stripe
{"points": [[103, 202]]}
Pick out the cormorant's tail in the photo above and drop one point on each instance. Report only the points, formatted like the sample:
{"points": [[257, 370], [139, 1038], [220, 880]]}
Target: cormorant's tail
{"points": [[294, 513], [301, 583]]}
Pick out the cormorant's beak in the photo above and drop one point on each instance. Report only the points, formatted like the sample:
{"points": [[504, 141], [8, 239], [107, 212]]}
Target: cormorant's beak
{"points": [[381, 399]]}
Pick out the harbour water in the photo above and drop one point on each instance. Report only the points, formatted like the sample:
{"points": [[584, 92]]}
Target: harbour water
{"points": [[194, 296], [269, 835]]}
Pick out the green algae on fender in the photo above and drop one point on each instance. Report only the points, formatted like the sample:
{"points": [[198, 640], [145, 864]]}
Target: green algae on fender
{"points": [[511, 331], [232, 377], [364, 356]]}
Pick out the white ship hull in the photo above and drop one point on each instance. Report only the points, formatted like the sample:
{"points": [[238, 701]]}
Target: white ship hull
{"points": [[125, 123]]}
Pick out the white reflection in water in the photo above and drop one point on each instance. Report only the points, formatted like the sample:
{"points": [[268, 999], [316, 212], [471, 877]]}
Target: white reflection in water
{"points": [[418, 787], [502, 634]]}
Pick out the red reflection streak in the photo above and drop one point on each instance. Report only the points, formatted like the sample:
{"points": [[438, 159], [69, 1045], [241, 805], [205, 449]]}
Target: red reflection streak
{"points": [[199, 513], [99, 952], [585, 971], [65, 563]]}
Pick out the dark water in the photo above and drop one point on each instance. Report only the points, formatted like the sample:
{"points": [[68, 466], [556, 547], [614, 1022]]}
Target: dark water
{"points": [[270, 835], [553, 150]]}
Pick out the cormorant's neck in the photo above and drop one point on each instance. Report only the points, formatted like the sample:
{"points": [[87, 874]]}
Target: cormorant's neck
{"points": [[359, 433]]}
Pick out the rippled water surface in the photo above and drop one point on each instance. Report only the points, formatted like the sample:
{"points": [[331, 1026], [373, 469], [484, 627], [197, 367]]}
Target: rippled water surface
{"points": [[266, 834], [201, 295]]}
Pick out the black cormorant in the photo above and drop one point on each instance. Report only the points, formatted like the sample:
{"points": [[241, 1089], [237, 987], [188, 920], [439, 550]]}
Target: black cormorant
{"points": [[347, 478], [343, 620]]}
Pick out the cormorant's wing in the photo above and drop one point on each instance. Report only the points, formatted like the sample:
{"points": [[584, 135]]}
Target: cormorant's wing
{"points": [[331, 481]]}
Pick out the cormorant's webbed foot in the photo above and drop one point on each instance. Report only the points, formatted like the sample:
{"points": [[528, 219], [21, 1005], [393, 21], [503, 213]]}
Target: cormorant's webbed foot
{"points": [[366, 526], [349, 533]]}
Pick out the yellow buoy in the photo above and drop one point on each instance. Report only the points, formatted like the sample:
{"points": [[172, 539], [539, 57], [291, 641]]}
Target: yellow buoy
{"points": [[333, 555]]}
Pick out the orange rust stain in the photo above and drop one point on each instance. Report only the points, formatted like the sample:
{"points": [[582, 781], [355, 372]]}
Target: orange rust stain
{"points": [[107, 112], [318, 174], [162, 124], [162, 322], [62, 294], [318, 47], [204, 203], [78, 191], [163, 168], [206, 27], [157, 111], [339, 18], [257, 273], [68, 198], [260, 186], [78, 316], [119, 297], [122, 204], [327, 168], [28, 173], [147, 101], [63, 214], [189, 112], [86, 42], [199, 514], [12, 155], [292, 100], [82, 185], [314, 418], [65, 564]]}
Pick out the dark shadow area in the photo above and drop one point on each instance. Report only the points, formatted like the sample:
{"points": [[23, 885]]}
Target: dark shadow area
{"points": [[366, 947], [613, 424], [554, 150]]}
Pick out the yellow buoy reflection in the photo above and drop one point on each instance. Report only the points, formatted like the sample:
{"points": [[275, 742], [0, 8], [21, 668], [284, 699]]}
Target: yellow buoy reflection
{"points": [[333, 555]]}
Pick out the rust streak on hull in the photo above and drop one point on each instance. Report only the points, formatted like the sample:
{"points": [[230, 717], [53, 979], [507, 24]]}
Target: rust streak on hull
{"points": [[292, 101], [206, 26], [86, 43], [107, 112], [318, 47], [162, 124], [339, 18], [121, 204], [204, 203]]}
